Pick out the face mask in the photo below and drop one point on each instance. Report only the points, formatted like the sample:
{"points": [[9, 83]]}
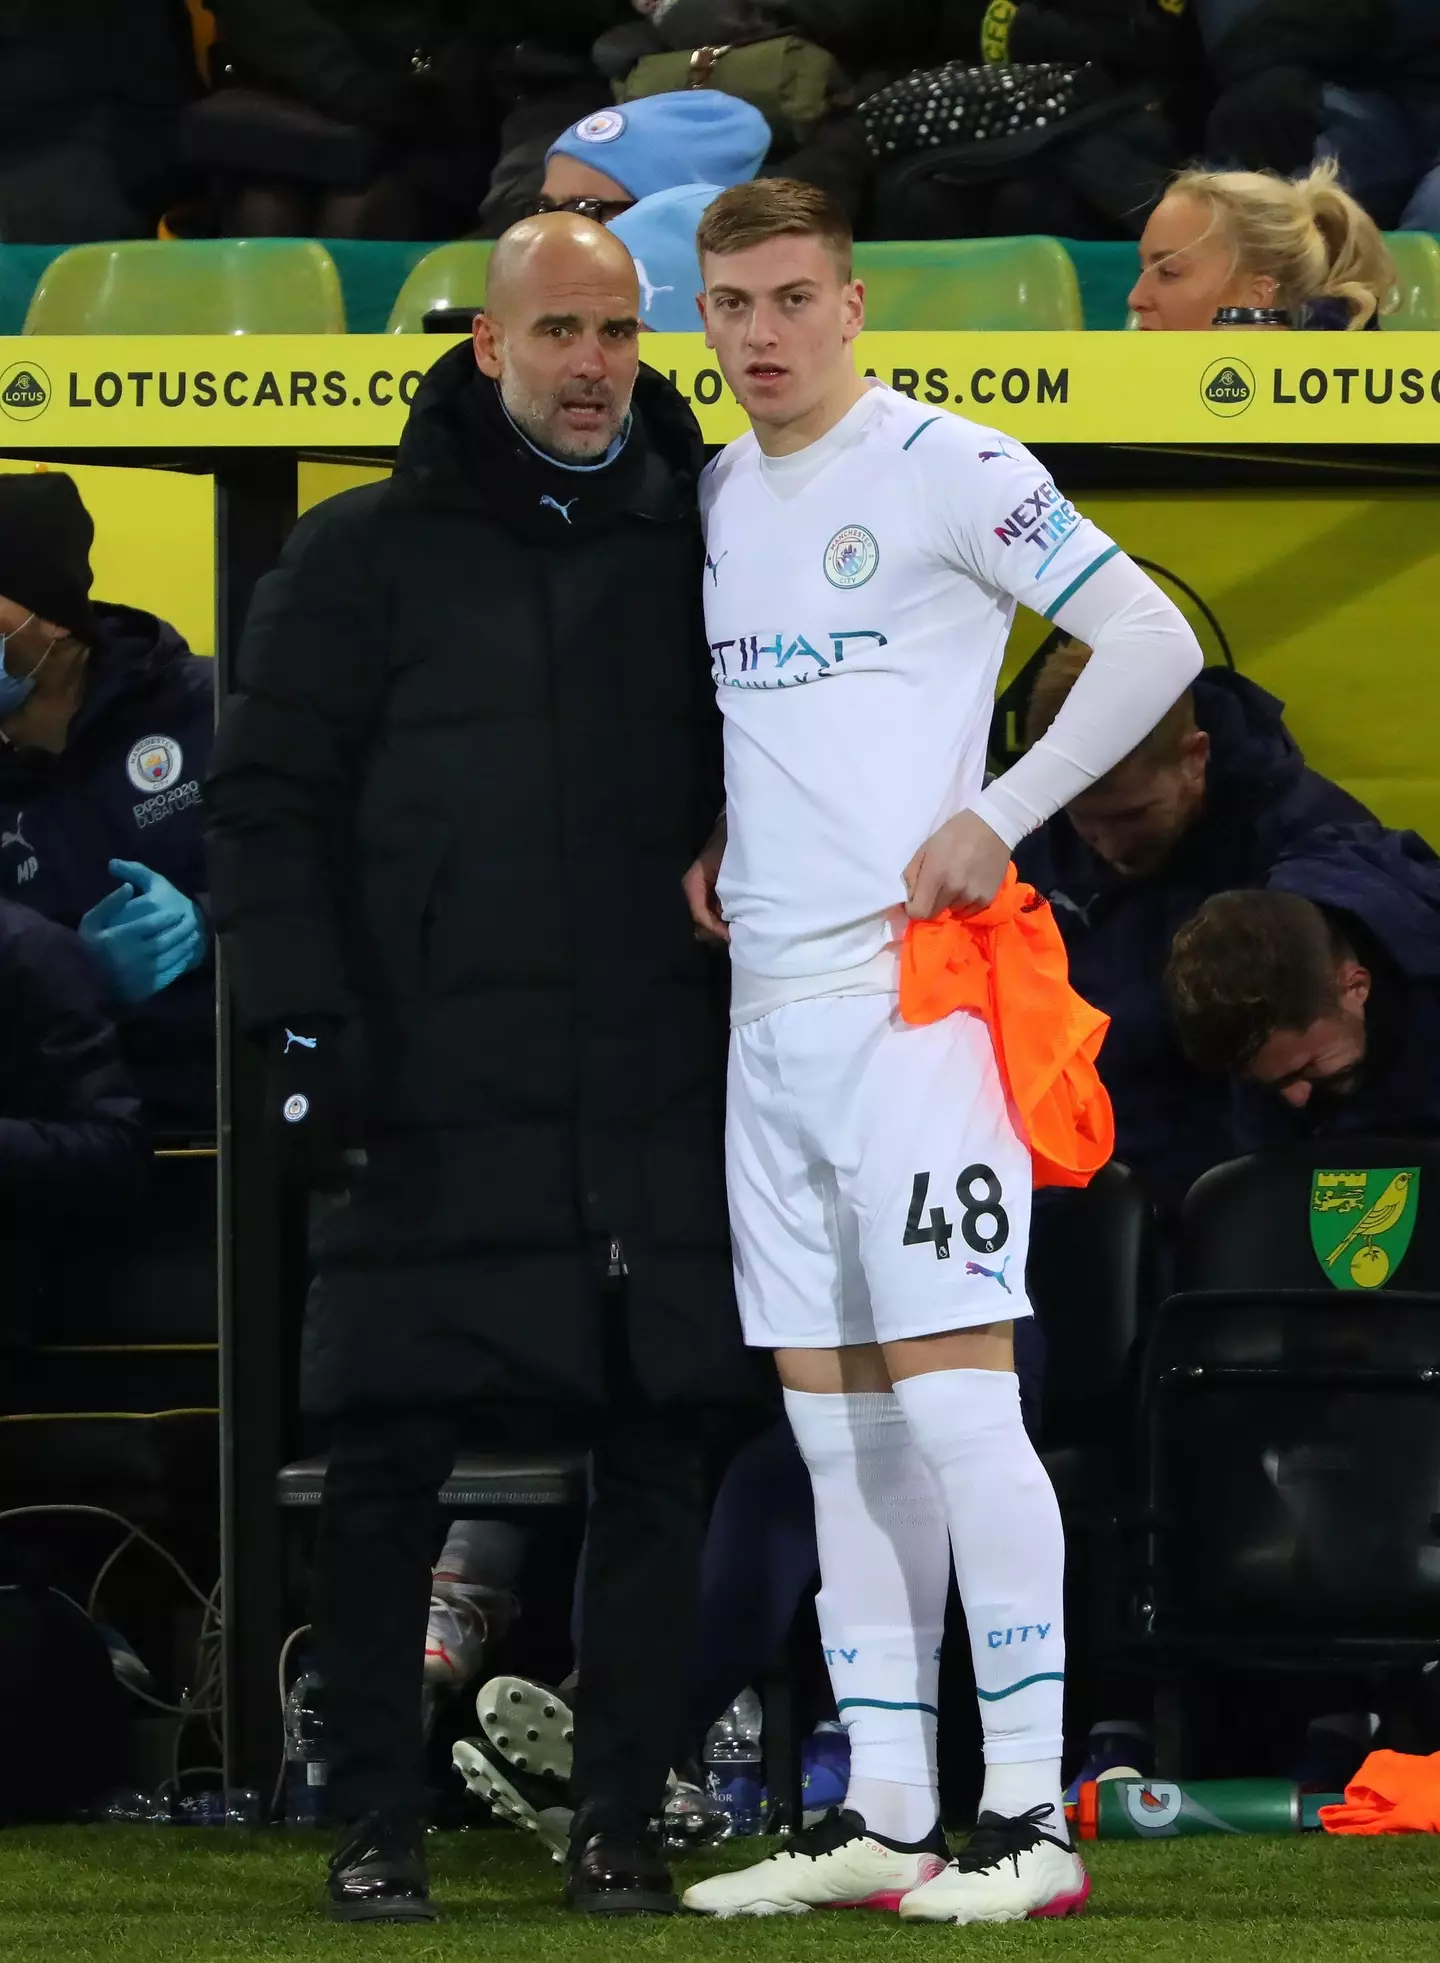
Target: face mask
{"points": [[16, 690]]}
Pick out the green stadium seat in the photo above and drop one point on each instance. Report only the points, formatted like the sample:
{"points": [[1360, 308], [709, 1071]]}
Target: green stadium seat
{"points": [[450, 276], [190, 286], [1417, 260], [945, 285]]}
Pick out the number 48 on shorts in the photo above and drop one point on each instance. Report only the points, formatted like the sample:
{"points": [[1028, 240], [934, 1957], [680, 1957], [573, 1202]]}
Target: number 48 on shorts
{"points": [[983, 1221]]}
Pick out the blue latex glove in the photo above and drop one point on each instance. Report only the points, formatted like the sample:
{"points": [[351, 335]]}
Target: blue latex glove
{"points": [[145, 934]]}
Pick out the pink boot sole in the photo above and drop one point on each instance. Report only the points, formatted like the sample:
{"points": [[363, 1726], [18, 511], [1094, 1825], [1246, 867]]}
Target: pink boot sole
{"points": [[1063, 1904], [890, 1899]]}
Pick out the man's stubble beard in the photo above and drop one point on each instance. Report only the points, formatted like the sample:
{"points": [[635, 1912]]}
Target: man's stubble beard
{"points": [[535, 412]]}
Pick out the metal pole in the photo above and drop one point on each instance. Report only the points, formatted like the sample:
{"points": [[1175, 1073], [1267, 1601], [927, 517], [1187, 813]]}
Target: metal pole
{"points": [[261, 1248]]}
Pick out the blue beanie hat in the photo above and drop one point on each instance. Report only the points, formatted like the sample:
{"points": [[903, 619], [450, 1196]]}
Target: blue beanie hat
{"points": [[690, 136], [659, 235]]}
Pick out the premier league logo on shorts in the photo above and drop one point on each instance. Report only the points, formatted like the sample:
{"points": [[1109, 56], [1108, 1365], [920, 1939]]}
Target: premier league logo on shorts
{"points": [[851, 557]]}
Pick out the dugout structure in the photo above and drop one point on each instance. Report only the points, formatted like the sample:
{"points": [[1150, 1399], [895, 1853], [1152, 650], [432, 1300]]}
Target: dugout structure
{"points": [[1292, 482]]}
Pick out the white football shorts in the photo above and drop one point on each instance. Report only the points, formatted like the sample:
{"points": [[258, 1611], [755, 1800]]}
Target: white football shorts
{"points": [[878, 1186]]}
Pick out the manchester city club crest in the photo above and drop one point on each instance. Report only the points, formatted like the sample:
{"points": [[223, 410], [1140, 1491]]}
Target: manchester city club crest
{"points": [[603, 127], [851, 557], [154, 762], [1361, 1222]]}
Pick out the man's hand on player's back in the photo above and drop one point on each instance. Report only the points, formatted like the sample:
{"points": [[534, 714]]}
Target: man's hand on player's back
{"points": [[960, 866]]}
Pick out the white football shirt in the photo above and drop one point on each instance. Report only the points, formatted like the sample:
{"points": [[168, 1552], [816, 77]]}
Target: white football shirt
{"points": [[858, 597]]}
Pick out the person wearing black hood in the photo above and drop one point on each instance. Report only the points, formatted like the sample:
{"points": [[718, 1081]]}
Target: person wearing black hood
{"points": [[474, 751], [106, 720], [1209, 801]]}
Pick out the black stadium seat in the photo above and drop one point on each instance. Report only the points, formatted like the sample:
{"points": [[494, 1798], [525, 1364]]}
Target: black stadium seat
{"points": [[1290, 1426], [1246, 1224]]}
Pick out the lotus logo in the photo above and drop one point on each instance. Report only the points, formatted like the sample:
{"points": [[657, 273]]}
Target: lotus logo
{"points": [[24, 392], [1227, 388]]}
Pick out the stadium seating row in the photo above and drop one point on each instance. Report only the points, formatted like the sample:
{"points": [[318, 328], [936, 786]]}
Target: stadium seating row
{"points": [[293, 286]]}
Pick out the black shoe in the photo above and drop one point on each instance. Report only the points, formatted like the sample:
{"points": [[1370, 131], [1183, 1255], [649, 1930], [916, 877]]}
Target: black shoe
{"points": [[617, 1870], [378, 1874]]}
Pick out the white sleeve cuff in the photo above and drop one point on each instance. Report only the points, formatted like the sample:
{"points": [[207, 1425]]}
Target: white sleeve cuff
{"points": [[1145, 657]]}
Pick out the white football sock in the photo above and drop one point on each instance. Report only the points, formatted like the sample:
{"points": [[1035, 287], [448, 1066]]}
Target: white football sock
{"points": [[1010, 1564], [884, 1571]]}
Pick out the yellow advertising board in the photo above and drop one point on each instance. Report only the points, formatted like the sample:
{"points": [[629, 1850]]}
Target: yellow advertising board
{"points": [[1325, 595], [351, 392]]}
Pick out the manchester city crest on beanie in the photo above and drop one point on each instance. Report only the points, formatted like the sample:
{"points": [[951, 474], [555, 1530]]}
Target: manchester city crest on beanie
{"points": [[687, 136]]}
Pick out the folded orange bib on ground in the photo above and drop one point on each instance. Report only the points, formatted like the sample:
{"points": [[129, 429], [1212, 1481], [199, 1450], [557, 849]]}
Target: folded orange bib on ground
{"points": [[1393, 1792], [1006, 962]]}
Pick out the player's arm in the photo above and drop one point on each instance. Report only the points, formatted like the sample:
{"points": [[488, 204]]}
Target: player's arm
{"points": [[1145, 656]]}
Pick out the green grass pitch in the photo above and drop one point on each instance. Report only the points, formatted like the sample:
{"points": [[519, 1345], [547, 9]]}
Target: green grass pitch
{"points": [[161, 1895]]}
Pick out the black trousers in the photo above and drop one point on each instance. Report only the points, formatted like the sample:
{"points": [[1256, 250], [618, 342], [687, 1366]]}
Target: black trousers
{"points": [[376, 1541]]}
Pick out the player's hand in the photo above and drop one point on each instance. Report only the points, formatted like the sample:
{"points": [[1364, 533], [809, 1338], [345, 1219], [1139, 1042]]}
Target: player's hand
{"points": [[699, 886], [961, 866]]}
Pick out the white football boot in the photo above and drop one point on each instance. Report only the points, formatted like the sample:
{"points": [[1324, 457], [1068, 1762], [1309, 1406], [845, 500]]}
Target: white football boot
{"points": [[1010, 1871], [529, 1724], [520, 1765], [465, 1624], [836, 1864]]}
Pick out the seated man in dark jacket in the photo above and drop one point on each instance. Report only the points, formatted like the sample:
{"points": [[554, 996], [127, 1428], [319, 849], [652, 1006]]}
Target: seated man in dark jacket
{"points": [[1322, 993], [1209, 801], [73, 1151], [106, 722]]}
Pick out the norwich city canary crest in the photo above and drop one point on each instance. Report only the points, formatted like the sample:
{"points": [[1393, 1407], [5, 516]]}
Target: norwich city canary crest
{"points": [[1361, 1223]]}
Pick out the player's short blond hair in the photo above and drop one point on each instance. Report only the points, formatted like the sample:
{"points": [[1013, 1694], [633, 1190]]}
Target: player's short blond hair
{"points": [[1059, 673], [775, 208]]}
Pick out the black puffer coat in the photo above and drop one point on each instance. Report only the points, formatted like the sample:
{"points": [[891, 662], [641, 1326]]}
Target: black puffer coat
{"points": [[476, 750]]}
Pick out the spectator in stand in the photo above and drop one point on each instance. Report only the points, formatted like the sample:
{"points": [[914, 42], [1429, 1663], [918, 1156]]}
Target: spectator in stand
{"points": [[347, 118], [1246, 239], [105, 732], [1269, 61], [1355, 79], [543, 84], [92, 95], [73, 1152], [608, 161], [1387, 135], [1212, 799], [1322, 993]]}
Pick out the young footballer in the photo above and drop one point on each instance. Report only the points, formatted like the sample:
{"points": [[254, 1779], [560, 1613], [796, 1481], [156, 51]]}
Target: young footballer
{"points": [[864, 555]]}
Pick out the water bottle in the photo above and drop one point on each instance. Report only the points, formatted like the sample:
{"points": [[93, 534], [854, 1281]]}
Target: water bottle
{"points": [[123, 1807], [732, 1764], [234, 1806], [306, 1768], [1158, 1809]]}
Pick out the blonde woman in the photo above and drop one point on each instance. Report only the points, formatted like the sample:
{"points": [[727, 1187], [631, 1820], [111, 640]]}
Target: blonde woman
{"points": [[1302, 249]]}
